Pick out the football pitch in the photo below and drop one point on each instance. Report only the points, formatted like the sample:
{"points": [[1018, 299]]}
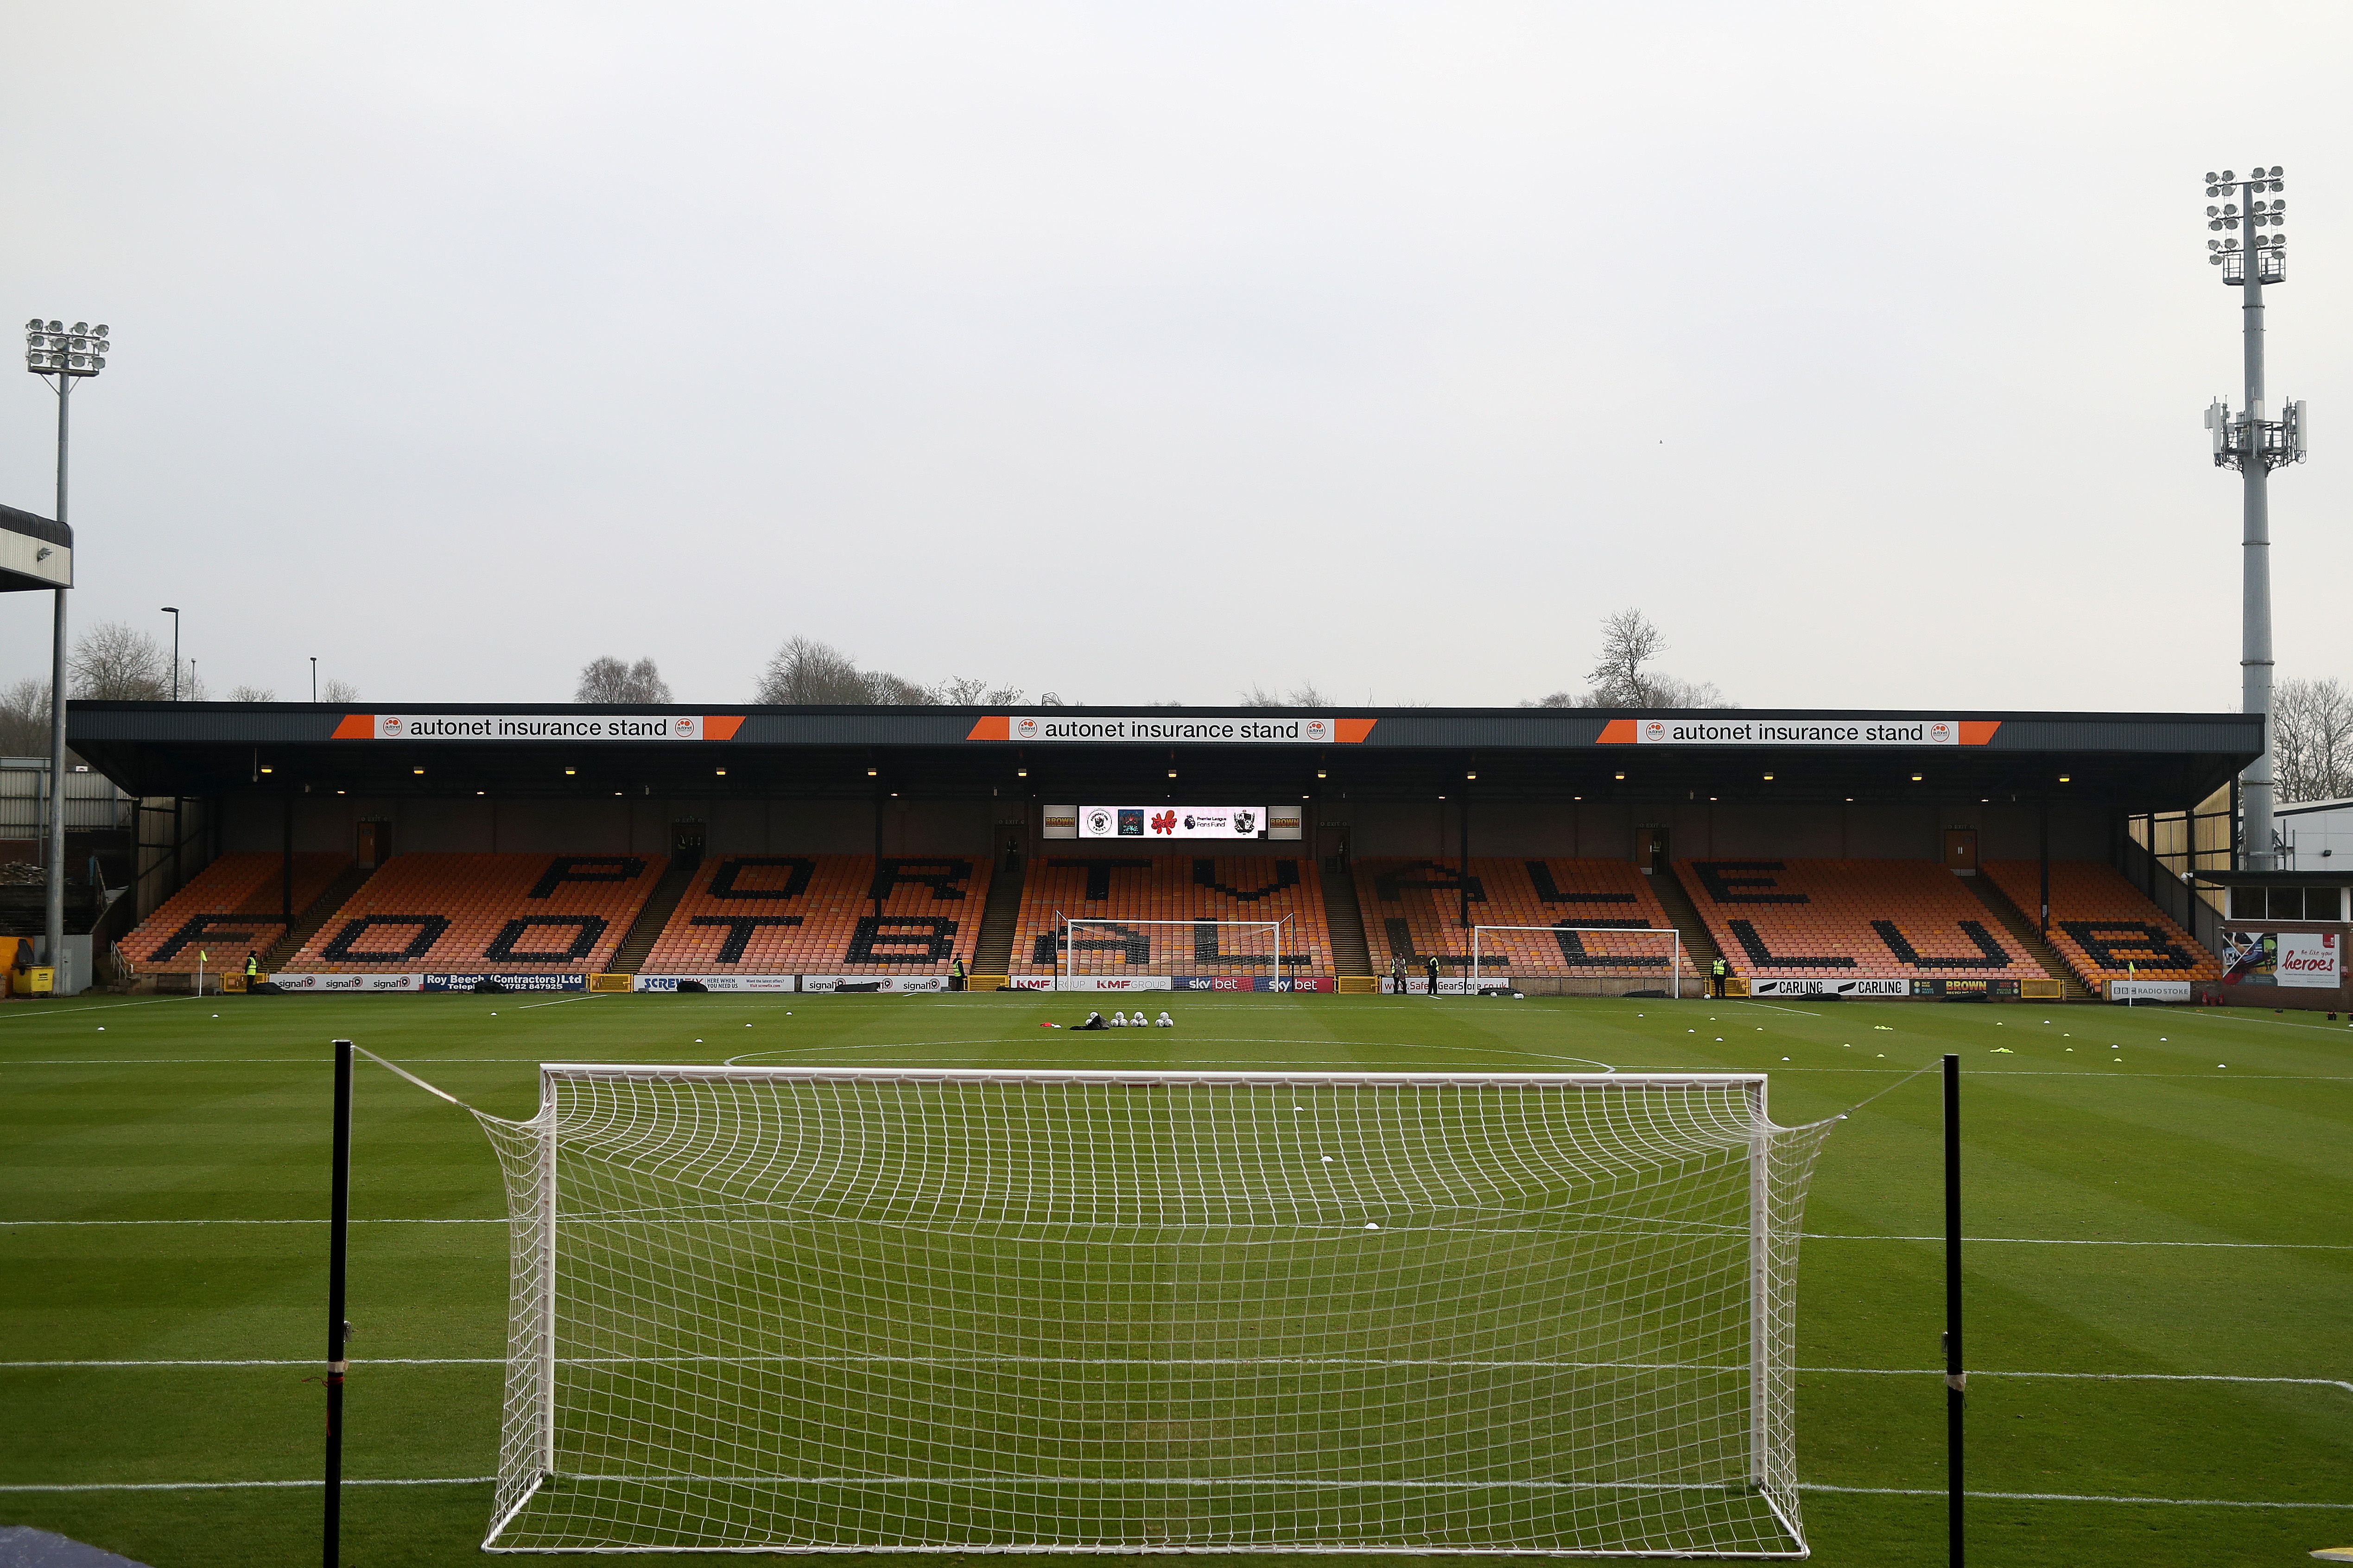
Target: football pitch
{"points": [[2157, 1200]]}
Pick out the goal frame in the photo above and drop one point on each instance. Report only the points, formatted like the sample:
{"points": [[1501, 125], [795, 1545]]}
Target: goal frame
{"points": [[1070, 923], [1674, 947], [1760, 1306]]}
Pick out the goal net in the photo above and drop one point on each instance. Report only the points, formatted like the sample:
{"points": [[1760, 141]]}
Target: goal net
{"points": [[1099, 949], [1500, 954], [842, 1309]]}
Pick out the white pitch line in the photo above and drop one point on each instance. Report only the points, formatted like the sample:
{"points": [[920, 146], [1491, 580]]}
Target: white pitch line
{"points": [[1802, 1485], [242, 1486], [2054, 1241], [98, 1007], [2064, 1497], [1274, 1364], [559, 1001], [28, 1223], [1807, 1235]]}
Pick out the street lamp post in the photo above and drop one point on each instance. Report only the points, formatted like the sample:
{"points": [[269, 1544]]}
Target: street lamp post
{"points": [[52, 351], [314, 678], [174, 611], [2255, 446]]}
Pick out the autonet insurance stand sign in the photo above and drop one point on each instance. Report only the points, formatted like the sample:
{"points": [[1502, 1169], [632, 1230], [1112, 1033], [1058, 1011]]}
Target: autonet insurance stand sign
{"points": [[1160, 729], [1860, 732], [538, 727]]}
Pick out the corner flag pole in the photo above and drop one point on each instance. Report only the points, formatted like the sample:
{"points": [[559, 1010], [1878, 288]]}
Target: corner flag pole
{"points": [[1956, 1381], [338, 1224]]}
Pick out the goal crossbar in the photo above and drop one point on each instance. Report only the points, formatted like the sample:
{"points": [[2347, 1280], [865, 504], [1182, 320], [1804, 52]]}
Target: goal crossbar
{"points": [[1575, 958], [828, 1309], [1133, 942]]}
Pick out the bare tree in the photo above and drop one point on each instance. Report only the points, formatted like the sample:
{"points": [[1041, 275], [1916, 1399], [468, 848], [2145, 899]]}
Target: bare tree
{"points": [[113, 662], [25, 720], [1622, 676], [2312, 739], [806, 671], [1306, 694], [607, 679], [251, 694], [969, 691], [1629, 642], [339, 691]]}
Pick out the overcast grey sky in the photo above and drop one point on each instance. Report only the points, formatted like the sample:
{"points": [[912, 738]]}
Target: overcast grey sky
{"points": [[1143, 352]]}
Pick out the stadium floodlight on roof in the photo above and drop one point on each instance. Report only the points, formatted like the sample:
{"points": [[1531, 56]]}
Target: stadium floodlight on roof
{"points": [[2254, 444]]}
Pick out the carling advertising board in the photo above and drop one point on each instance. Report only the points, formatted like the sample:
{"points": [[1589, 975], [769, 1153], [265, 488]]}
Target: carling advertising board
{"points": [[1828, 985]]}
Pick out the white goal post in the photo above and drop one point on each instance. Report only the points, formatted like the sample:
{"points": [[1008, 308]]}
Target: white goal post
{"points": [[841, 1310], [1096, 946], [1505, 952]]}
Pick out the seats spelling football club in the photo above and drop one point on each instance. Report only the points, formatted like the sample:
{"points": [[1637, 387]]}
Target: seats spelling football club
{"points": [[799, 914]]}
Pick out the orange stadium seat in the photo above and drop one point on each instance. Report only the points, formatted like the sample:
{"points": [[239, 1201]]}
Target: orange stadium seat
{"points": [[1173, 887], [814, 914], [1413, 908], [230, 909], [555, 914], [1870, 918], [2100, 922]]}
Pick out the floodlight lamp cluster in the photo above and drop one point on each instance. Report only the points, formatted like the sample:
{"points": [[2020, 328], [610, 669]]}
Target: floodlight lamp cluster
{"points": [[51, 348], [2256, 215]]}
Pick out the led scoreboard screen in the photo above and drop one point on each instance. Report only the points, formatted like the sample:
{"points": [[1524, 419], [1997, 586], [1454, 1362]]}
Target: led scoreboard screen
{"points": [[1172, 821]]}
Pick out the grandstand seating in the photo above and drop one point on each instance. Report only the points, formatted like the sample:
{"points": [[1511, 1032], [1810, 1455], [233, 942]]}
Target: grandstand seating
{"points": [[228, 910], [2100, 922], [1870, 919], [472, 913], [814, 914], [1413, 908], [1176, 888]]}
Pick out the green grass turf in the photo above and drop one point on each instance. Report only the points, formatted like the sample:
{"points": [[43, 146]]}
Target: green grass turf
{"points": [[172, 1115]]}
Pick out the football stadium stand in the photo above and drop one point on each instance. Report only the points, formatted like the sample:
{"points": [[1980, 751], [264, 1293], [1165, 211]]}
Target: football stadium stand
{"points": [[815, 914], [1413, 908], [518, 913], [230, 909], [1175, 887], [2100, 922], [1870, 919]]}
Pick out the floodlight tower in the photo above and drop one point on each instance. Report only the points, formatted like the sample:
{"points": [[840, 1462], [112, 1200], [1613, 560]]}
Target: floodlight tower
{"points": [[2255, 446], [51, 349]]}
